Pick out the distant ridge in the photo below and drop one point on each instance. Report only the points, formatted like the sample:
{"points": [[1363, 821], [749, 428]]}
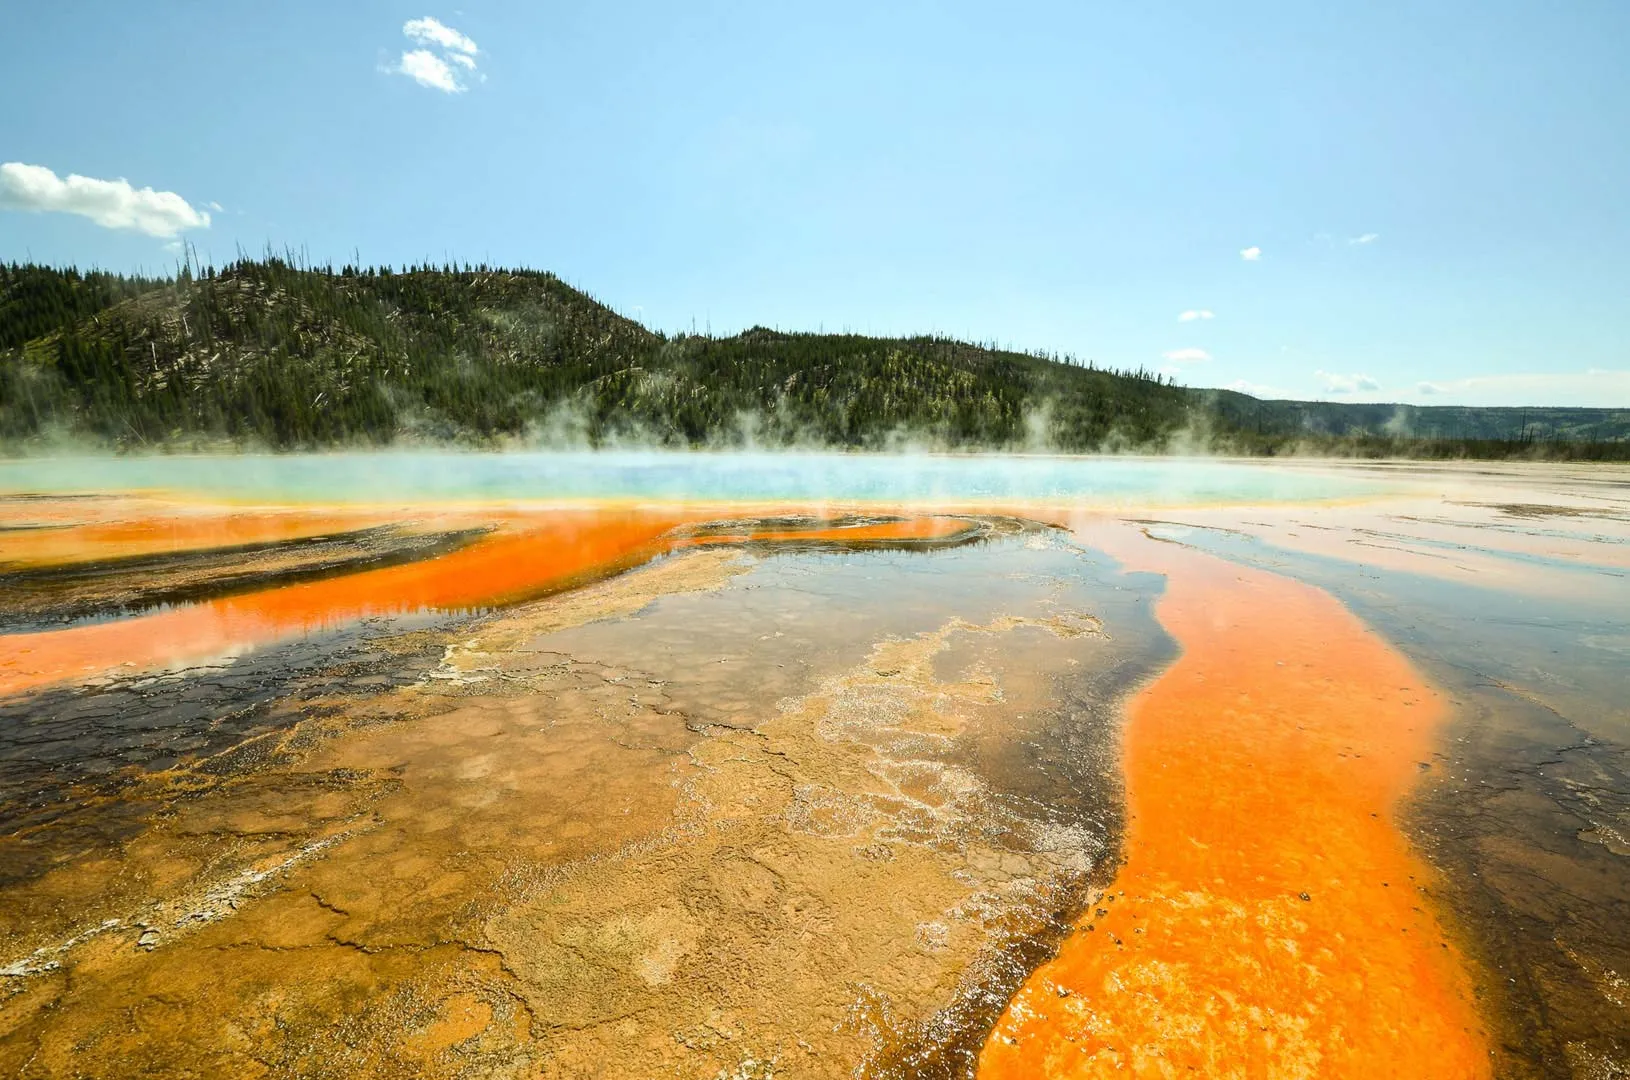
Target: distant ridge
{"points": [[268, 354]]}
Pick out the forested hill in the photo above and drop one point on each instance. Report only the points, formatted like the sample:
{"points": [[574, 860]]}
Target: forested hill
{"points": [[267, 354]]}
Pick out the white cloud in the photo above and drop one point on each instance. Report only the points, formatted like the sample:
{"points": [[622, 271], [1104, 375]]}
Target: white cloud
{"points": [[1367, 238], [1593, 388], [429, 31], [215, 206], [1190, 316], [427, 69], [440, 48], [1348, 384], [1256, 390], [113, 204], [1251, 254], [1186, 356]]}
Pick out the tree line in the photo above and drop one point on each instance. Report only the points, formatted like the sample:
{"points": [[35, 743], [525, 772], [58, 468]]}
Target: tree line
{"points": [[272, 352]]}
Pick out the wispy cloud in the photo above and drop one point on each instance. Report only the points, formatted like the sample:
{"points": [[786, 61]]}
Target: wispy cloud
{"points": [[1367, 238], [1187, 356], [1595, 387], [1348, 384], [1257, 390], [429, 70], [1251, 254], [442, 61], [113, 204], [1198, 313], [433, 32]]}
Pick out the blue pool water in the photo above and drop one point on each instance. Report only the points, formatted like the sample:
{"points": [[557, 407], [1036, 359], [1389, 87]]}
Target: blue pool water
{"points": [[441, 476]]}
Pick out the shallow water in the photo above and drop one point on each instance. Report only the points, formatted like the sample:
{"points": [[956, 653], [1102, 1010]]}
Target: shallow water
{"points": [[439, 477], [1526, 802], [750, 766]]}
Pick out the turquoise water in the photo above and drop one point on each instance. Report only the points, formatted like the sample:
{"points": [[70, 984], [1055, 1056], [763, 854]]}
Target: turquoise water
{"points": [[443, 476]]}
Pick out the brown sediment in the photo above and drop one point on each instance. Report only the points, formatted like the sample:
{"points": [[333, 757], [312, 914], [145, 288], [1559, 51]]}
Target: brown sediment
{"points": [[857, 532], [598, 835], [503, 566], [535, 861], [46, 597], [526, 556], [1270, 919], [833, 881], [301, 800], [1547, 510]]}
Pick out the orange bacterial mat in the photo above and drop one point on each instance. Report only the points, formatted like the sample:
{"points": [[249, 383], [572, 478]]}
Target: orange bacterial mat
{"points": [[512, 563], [1270, 919], [527, 555]]}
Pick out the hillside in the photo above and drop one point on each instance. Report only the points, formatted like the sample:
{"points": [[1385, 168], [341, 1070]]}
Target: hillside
{"points": [[1533, 424], [264, 353]]}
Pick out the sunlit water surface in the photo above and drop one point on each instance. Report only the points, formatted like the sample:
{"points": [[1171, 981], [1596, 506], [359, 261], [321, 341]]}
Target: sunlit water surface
{"points": [[562, 763], [439, 477]]}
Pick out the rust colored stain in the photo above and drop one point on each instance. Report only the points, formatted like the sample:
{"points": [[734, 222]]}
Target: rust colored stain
{"points": [[1270, 920], [149, 533], [520, 560], [528, 555]]}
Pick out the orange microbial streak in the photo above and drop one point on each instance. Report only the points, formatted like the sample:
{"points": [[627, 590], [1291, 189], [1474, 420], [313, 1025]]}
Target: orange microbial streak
{"points": [[524, 558], [150, 533], [527, 555], [1270, 919]]}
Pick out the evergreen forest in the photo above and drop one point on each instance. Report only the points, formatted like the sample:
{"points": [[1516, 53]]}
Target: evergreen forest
{"points": [[271, 354]]}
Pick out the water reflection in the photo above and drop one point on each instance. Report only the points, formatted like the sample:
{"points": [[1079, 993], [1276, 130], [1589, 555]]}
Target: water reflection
{"points": [[521, 557], [578, 812], [439, 478], [789, 793], [1268, 912]]}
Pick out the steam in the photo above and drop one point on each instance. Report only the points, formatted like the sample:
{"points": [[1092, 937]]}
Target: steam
{"points": [[420, 478], [1401, 423]]}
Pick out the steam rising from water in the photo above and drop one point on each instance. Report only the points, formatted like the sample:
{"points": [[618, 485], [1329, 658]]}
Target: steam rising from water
{"points": [[449, 476]]}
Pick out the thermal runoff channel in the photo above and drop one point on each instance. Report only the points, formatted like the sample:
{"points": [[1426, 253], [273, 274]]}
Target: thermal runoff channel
{"points": [[457, 764]]}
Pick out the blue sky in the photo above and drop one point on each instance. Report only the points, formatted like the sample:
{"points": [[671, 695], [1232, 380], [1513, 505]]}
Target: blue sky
{"points": [[1439, 191]]}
